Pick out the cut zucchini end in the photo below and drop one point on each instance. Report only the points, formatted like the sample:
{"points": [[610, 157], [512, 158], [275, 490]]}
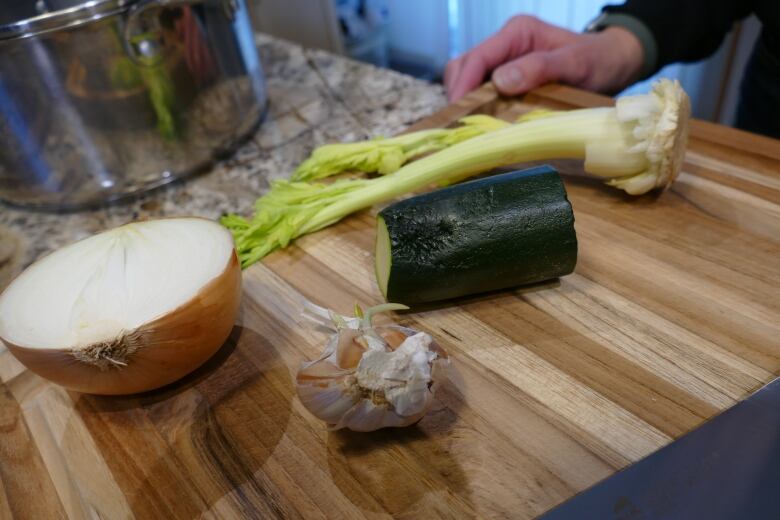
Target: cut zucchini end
{"points": [[382, 258]]}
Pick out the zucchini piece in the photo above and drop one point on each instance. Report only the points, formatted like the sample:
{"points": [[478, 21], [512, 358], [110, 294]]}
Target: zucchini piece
{"points": [[501, 231]]}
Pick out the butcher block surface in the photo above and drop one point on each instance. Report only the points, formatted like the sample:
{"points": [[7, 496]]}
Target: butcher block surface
{"points": [[671, 316]]}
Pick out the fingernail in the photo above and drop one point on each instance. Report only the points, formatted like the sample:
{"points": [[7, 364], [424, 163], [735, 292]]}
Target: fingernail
{"points": [[508, 79]]}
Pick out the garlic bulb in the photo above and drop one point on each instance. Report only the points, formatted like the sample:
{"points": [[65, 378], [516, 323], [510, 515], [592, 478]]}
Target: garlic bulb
{"points": [[370, 377]]}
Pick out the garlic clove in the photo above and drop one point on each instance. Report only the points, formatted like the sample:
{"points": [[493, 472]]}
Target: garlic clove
{"points": [[393, 335], [350, 348], [322, 371], [329, 403]]}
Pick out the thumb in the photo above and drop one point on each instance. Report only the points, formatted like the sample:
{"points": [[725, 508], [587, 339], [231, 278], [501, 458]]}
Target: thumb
{"points": [[538, 68]]}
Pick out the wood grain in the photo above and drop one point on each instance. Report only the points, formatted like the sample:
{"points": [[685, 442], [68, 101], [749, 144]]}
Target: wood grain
{"points": [[670, 317]]}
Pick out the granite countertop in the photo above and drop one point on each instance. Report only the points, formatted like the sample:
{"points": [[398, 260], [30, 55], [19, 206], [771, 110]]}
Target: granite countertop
{"points": [[315, 97]]}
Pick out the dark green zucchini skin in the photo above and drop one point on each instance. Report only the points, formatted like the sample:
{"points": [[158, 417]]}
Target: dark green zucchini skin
{"points": [[501, 231]]}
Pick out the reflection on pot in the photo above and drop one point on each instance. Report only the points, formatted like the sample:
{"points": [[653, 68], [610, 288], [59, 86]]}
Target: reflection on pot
{"points": [[84, 121]]}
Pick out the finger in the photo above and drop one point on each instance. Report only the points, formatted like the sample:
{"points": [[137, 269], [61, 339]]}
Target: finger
{"points": [[539, 68], [511, 41], [470, 75], [520, 35], [474, 66], [451, 73]]}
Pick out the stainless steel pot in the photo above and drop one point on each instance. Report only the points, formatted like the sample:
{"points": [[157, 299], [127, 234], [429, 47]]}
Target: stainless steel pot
{"points": [[109, 98]]}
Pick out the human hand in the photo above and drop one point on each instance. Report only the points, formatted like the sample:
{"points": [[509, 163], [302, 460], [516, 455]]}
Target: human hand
{"points": [[528, 52]]}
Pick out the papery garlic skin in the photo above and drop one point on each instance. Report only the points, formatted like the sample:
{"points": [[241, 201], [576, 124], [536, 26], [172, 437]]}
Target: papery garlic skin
{"points": [[402, 374], [382, 385]]}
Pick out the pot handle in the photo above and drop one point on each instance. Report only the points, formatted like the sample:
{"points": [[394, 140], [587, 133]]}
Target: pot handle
{"points": [[145, 51]]}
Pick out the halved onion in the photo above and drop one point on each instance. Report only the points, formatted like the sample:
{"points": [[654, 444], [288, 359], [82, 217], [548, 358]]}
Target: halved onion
{"points": [[127, 310]]}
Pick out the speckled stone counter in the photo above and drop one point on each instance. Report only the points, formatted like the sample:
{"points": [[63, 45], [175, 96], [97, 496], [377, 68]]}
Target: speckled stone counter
{"points": [[314, 97]]}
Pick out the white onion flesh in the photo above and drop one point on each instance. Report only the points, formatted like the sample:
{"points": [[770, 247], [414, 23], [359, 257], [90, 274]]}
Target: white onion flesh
{"points": [[126, 310]]}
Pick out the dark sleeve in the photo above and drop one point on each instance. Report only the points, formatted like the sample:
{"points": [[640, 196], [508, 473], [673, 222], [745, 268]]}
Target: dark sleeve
{"points": [[685, 30]]}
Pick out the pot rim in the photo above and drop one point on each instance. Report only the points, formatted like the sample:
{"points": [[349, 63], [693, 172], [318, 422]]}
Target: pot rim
{"points": [[90, 11]]}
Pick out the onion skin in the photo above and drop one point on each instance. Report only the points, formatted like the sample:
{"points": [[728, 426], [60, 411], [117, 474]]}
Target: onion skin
{"points": [[168, 348]]}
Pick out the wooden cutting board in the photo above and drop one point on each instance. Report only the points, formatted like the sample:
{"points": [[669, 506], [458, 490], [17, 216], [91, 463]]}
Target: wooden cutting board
{"points": [[671, 317]]}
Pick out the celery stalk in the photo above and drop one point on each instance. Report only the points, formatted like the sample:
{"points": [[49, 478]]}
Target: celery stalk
{"points": [[636, 146], [386, 155]]}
